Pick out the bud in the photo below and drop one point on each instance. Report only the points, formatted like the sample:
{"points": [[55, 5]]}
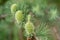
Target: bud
{"points": [[29, 16], [13, 8], [29, 27], [19, 16]]}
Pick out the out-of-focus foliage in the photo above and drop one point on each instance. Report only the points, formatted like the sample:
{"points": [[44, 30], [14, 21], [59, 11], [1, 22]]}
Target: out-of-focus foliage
{"points": [[2, 2], [45, 11], [44, 32]]}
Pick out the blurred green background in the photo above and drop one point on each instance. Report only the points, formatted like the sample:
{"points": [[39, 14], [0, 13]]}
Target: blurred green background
{"points": [[7, 22]]}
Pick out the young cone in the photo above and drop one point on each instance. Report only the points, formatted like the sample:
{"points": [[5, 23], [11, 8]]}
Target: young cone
{"points": [[29, 27], [19, 16], [13, 8]]}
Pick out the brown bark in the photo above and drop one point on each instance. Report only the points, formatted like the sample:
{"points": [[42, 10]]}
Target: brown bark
{"points": [[31, 38], [56, 33], [3, 16], [21, 34]]}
